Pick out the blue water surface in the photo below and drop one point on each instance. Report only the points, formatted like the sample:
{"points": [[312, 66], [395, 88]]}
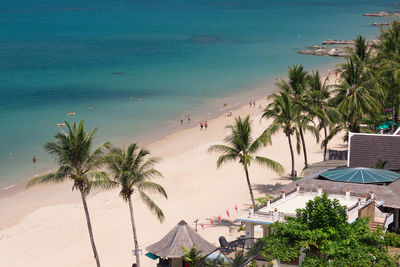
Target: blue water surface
{"points": [[178, 56]]}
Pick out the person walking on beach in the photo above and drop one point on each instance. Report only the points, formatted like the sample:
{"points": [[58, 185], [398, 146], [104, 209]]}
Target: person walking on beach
{"points": [[188, 116], [254, 104], [201, 125], [251, 102], [205, 125], [181, 120], [34, 159]]}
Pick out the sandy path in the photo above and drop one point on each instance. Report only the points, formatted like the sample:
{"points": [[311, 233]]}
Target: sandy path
{"points": [[56, 233]]}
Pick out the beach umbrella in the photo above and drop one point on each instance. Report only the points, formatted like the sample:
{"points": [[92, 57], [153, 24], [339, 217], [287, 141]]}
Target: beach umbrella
{"points": [[360, 175], [182, 235], [382, 127]]}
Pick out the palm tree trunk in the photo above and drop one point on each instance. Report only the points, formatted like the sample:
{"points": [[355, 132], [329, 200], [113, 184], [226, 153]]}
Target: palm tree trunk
{"points": [[292, 154], [393, 116], [134, 233], [248, 183], [89, 225], [325, 142], [304, 147]]}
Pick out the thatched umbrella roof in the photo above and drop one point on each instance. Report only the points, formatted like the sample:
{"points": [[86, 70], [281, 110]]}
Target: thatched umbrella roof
{"points": [[182, 235]]}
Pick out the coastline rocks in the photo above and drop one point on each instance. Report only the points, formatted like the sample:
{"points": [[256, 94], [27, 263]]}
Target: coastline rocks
{"points": [[316, 47], [380, 24], [338, 52], [323, 50], [341, 50], [341, 42], [382, 14], [373, 42], [379, 14]]}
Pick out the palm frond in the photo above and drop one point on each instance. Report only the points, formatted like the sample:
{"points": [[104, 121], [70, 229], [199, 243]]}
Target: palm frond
{"points": [[152, 187], [226, 158], [46, 179], [222, 149], [271, 164], [152, 206]]}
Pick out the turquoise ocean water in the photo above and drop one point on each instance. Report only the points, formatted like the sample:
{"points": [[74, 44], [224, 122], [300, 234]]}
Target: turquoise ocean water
{"points": [[61, 56]]}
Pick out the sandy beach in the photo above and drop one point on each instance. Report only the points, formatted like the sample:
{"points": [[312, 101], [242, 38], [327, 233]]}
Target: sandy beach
{"points": [[45, 226]]}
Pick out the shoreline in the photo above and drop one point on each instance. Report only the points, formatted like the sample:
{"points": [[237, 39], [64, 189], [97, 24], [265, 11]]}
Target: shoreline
{"points": [[18, 189], [52, 215], [234, 102]]}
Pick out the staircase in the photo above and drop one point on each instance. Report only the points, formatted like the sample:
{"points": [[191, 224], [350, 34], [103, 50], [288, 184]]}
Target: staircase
{"points": [[378, 222]]}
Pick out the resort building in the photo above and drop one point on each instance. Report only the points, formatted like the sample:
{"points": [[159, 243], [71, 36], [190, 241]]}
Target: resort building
{"points": [[286, 204], [366, 150], [364, 192]]}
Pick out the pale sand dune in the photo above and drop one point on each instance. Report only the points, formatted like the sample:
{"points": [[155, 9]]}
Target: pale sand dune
{"points": [[54, 232]]}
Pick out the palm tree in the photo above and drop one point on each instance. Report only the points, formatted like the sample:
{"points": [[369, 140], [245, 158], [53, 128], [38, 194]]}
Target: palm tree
{"points": [[241, 146], [388, 65], [356, 95], [361, 52], [297, 81], [73, 151], [132, 170], [283, 111], [297, 88], [328, 117], [192, 256]]}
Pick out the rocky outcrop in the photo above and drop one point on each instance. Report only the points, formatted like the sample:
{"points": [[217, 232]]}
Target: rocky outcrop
{"points": [[324, 51], [382, 14], [341, 50], [316, 47], [380, 24], [340, 42], [379, 14], [338, 52]]}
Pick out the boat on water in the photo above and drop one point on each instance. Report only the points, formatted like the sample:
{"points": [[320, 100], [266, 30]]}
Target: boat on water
{"points": [[71, 113], [60, 124]]}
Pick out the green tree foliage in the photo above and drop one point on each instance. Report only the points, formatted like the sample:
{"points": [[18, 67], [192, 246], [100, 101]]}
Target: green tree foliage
{"points": [[192, 256], [322, 233], [78, 162], [297, 87], [322, 213], [283, 111], [387, 66], [132, 170], [329, 119], [241, 146]]}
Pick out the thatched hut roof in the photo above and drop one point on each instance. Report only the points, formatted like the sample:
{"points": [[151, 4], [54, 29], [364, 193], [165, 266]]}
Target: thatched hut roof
{"points": [[182, 235]]}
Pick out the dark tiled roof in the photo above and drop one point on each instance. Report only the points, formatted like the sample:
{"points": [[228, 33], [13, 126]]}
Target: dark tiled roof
{"points": [[367, 149]]}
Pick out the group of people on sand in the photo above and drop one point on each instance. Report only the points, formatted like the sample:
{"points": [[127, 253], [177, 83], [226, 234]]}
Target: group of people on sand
{"points": [[205, 125], [202, 124], [252, 103]]}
